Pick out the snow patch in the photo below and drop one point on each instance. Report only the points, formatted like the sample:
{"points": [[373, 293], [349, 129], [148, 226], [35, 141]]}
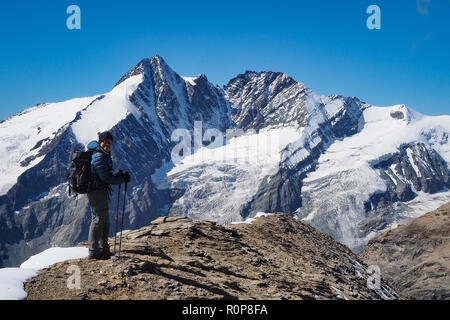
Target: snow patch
{"points": [[339, 295], [191, 80], [106, 112], [251, 220], [53, 255], [12, 279]]}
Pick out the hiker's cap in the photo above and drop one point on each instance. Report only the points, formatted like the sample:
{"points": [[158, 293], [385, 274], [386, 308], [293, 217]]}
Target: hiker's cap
{"points": [[105, 136]]}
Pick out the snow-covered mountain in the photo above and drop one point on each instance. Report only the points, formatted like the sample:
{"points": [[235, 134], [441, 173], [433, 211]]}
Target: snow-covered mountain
{"points": [[261, 143], [393, 168]]}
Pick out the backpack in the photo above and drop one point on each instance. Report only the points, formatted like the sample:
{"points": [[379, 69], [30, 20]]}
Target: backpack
{"points": [[79, 176]]}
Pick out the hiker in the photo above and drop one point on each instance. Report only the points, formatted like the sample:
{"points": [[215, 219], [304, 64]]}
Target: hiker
{"points": [[103, 177]]}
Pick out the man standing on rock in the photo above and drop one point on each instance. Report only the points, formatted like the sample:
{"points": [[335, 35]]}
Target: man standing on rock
{"points": [[102, 175]]}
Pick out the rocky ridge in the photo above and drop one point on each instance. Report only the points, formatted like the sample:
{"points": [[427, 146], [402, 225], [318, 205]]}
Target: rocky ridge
{"points": [[415, 257], [274, 257]]}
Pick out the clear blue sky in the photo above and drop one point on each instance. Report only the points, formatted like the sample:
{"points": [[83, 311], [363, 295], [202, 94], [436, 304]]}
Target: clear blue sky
{"points": [[324, 44]]}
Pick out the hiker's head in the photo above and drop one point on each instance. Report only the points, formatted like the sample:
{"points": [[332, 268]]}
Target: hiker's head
{"points": [[105, 139]]}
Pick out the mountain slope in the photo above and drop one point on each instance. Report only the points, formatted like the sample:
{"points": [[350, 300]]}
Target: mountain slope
{"points": [[274, 257], [415, 257]]}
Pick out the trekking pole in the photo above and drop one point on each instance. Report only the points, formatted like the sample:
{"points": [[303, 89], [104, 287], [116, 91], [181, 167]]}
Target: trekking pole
{"points": [[117, 218], [123, 214]]}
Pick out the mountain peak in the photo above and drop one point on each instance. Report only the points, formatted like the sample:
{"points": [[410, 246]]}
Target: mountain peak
{"points": [[143, 66], [140, 68], [157, 58], [198, 79], [250, 75]]}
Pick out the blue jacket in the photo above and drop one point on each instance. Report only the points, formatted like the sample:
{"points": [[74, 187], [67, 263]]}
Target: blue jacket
{"points": [[102, 167]]}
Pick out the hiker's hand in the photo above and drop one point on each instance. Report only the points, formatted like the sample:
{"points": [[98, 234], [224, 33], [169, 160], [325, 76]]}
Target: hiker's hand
{"points": [[119, 173], [126, 177]]}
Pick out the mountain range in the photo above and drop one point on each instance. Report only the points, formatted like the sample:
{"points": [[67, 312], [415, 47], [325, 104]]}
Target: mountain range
{"points": [[261, 143]]}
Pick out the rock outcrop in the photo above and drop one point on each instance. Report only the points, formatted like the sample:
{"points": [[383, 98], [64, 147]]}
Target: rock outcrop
{"points": [[274, 257], [413, 166], [415, 257]]}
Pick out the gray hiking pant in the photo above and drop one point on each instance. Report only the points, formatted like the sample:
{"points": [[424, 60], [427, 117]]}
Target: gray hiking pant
{"points": [[99, 229]]}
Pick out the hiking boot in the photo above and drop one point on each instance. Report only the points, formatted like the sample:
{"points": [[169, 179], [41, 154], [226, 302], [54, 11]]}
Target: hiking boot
{"points": [[99, 256], [106, 255]]}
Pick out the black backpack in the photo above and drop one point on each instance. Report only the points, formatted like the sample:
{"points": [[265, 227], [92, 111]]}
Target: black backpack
{"points": [[79, 177]]}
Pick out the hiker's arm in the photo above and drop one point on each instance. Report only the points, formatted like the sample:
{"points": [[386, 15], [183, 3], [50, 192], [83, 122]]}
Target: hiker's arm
{"points": [[100, 164]]}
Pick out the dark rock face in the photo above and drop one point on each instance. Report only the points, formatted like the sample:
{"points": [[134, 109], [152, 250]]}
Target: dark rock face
{"points": [[346, 122], [10, 233], [209, 105], [263, 99], [281, 194], [414, 166], [404, 192], [180, 258], [397, 115], [414, 256]]}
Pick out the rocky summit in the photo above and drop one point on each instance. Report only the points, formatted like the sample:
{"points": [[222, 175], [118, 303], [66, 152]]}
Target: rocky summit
{"points": [[415, 257], [269, 257]]}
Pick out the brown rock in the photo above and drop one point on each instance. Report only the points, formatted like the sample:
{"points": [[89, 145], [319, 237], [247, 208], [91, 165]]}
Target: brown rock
{"points": [[275, 257], [165, 219], [415, 257]]}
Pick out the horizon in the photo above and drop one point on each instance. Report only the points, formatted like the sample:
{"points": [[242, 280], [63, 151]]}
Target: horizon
{"points": [[324, 45]]}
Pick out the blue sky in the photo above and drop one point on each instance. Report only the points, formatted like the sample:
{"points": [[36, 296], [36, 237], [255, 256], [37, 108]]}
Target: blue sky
{"points": [[324, 44]]}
